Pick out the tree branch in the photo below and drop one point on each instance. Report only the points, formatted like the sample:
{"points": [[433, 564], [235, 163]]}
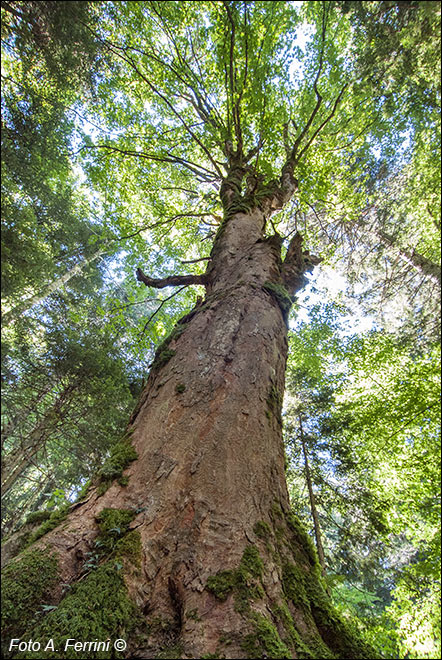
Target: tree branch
{"points": [[201, 172], [172, 280], [296, 263], [169, 104], [163, 302], [194, 261], [233, 82], [324, 122]]}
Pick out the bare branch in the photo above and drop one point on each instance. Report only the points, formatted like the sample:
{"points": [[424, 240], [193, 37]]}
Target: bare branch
{"points": [[296, 263], [172, 280], [163, 302], [194, 261], [325, 121]]}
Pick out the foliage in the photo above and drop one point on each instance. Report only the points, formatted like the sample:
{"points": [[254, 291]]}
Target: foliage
{"points": [[371, 420]]}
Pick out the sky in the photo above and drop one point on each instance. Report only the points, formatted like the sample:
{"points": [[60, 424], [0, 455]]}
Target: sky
{"points": [[327, 284]]}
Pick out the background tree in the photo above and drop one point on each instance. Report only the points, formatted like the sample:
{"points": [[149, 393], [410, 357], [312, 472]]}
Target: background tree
{"points": [[372, 423]]}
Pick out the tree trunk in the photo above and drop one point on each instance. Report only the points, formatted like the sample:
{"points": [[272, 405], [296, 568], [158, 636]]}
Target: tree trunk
{"points": [[409, 255], [222, 568], [316, 525], [21, 457], [11, 315]]}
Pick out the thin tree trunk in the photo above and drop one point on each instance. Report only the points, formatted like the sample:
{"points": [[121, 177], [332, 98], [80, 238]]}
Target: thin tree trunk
{"points": [[25, 304], [316, 525], [15, 462], [14, 421], [410, 256], [419, 262], [223, 567]]}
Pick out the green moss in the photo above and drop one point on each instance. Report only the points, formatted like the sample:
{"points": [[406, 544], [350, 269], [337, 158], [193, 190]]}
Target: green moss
{"points": [[293, 584], [276, 511], [298, 529], [55, 518], [170, 652], [265, 641], [115, 540], [97, 608], [123, 481], [243, 205], [180, 388], [293, 534], [252, 562], [121, 455], [163, 353], [281, 295], [37, 516], [274, 402], [309, 648], [103, 486], [243, 581], [129, 547], [115, 521], [262, 530], [26, 585], [221, 584], [246, 591], [164, 357]]}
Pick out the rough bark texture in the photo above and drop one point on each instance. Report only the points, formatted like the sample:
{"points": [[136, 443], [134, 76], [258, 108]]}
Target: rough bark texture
{"points": [[223, 569]]}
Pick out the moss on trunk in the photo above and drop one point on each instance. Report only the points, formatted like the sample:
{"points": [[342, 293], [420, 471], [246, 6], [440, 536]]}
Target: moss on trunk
{"points": [[26, 586], [95, 607], [196, 561], [302, 603]]}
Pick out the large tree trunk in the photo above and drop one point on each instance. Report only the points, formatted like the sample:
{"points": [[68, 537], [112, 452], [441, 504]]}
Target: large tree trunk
{"points": [[223, 567]]}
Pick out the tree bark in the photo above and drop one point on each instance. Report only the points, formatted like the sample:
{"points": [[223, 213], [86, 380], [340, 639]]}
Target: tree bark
{"points": [[224, 567]]}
